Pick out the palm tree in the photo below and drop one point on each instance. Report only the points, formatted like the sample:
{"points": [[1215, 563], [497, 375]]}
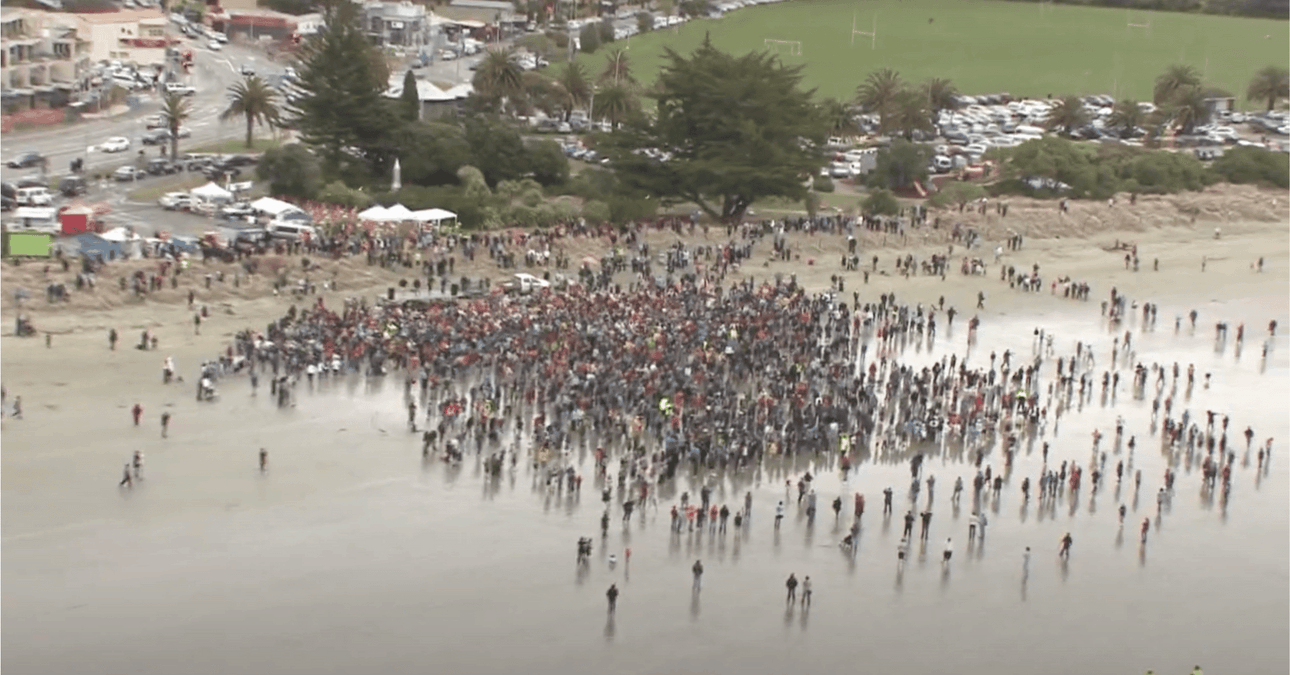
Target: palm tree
{"points": [[499, 75], [175, 110], [910, 112], [1172, 81], [542, 93], [1067, 115], [254, 100], [941, 94], [576, 87], [618, 69], [878, 92], [615, 102], [1127, 115], [1190, 109], [1270, 84], [838, 117]]}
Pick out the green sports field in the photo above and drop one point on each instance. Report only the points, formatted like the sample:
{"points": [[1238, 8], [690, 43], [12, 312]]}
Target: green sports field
{"points": [[1023, 48]]}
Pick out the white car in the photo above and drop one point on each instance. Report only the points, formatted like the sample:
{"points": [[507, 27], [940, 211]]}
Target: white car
{"points": [[215, 45], [175, 201], [179, 89], [115, 144]]}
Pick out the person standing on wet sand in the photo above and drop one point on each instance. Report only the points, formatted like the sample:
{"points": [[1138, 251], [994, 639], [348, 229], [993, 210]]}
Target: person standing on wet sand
{"points": [[791, 585], [137, 412], [612, 594], [1146, 525], [264, 460], [909, 524], [697, 569], [137, 461], [806, 591], [1025, 564], [949, 551], [1065, 550], [165, 424], [886, 501]]}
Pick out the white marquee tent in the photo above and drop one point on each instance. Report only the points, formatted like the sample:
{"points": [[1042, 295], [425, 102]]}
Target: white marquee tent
{"points": [[273, 207], [401, 214], [212, 193]]}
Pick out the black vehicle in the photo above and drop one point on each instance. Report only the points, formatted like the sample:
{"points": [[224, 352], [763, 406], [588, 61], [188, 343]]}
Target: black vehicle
{"points": [[158, 167], [221, 171], [155, 137], [73, 186], [32, 181], [241, 160], [26, 160], [8, 203]]}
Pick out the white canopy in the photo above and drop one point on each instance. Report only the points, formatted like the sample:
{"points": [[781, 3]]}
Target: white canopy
{"points": [[432, 215], [398, 212], [211, 192], [273, 207], [376, 213]]}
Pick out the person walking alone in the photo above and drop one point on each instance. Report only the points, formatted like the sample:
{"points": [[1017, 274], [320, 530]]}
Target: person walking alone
{"points": [[612, 594], [949, 551], [697, 569]]}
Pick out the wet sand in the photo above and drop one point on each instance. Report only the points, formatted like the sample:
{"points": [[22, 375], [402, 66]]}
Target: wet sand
{"points": [[351, 555]]}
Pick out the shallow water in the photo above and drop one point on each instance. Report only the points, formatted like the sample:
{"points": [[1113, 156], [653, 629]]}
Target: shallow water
{"points": [[350, 555]]}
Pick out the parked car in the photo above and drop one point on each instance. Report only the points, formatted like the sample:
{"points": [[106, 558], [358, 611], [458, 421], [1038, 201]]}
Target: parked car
{"points": [[33, 196], [155, 121], [27, 159], [175, 201], [73, 186], [180, 89], [291, 231], [126, 174], [115, 144], [221, 171], [247, 70], [159, 167], [214, 45], [155, 137]]}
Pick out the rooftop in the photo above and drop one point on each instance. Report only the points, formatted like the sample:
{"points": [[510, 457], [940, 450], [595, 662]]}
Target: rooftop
{"points": [[123, 16]]}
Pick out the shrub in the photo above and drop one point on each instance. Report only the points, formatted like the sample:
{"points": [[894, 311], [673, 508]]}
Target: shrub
{"points": [[823, 184], [880, 203], [1253, 165]]}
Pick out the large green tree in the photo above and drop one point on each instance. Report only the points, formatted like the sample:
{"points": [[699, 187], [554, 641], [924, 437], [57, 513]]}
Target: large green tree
{"points": [[499, 77], [618, 69], [615, 103], [838, 117], [1270, 84], [1189, 109], [736, 129], [941, 94], [253, 100], [910, 112], [497, 148], [1067, 116], [175, 110], [431, 153], [878, 94], [342, 110], [900, 165], [1175, 79], [576, 87], [1126, 116], [292, 171], [409, 98]]}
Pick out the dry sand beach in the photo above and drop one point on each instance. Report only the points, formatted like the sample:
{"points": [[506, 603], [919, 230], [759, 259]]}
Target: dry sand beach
{"points": [[349, 548]]}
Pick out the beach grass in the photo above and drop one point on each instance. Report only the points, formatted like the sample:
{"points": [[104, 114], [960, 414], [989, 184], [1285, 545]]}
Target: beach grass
{"points": [[1023, 48]]}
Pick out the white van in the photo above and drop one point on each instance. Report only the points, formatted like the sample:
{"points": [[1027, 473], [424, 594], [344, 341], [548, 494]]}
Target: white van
{"points": [[33, 196], [280, 229]]}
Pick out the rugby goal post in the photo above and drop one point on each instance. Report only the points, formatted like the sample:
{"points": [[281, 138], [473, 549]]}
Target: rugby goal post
{"points": [[794, 46], [872, 33], [1130, 24]]}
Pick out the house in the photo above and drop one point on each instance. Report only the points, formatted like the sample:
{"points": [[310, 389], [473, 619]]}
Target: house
{"points": [[398, 24], [138, 36], [43, 59], [255, 25], [435, 102], [482, 12]]}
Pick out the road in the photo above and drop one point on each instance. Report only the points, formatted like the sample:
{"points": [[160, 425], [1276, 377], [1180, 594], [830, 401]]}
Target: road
{"points": [[213, 73]]}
